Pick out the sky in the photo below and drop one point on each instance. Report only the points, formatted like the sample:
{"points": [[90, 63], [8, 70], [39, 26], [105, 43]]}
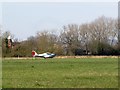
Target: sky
{"points": [[24, 19]]}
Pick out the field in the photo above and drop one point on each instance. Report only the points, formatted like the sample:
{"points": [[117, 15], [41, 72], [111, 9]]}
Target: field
{"points": [[60, 73]]}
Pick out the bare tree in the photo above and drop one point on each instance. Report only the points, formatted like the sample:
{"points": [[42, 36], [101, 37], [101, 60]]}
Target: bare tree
{"points": [[85, 36], [46, 41], [69, 38], [42, 41], [102, 31]]}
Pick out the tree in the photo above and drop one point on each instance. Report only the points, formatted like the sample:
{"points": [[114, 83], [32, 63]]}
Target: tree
{"points": [[69, 38], [46, 41], [102, 30], [85, 36], [5, 50]]}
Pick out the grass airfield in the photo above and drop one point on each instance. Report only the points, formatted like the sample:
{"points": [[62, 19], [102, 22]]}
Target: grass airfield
{"points": [[60, 73]]}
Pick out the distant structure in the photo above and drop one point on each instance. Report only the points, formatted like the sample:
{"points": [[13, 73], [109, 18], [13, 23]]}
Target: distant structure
{"points": [[9, 42]]}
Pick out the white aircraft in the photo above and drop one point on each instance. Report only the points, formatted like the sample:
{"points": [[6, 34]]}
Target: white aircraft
{"points": [[43, 55]]}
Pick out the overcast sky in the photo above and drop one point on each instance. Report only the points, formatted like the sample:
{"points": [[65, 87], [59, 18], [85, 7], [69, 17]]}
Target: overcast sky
{"points": [[25, 19]]}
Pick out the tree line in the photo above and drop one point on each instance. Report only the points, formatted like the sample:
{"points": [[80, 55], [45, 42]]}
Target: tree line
{"points": [[99, 37]]}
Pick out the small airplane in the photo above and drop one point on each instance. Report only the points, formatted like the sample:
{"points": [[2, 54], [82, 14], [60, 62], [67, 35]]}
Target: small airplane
{"points": [[43, 55]]}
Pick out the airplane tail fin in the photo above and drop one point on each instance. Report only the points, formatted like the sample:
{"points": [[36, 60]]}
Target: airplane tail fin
{"points": [[34, 53]]}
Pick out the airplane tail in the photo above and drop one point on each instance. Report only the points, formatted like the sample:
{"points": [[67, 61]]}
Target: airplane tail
{"points": [[34, 53]]}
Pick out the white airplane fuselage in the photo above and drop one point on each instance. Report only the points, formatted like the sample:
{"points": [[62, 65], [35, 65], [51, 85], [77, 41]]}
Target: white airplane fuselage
{"points": [[43, 55]]}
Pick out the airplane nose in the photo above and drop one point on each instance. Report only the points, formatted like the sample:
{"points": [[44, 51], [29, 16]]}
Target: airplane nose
{"points": [[54, 54]]}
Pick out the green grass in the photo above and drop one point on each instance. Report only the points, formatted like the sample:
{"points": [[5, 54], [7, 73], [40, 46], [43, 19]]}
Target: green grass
{"points": [[60, 73]]}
